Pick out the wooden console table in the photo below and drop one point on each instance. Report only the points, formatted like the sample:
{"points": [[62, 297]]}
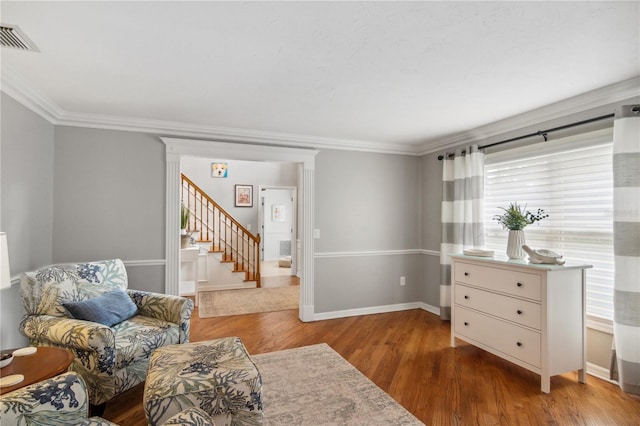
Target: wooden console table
{"points": [[45, 363]]}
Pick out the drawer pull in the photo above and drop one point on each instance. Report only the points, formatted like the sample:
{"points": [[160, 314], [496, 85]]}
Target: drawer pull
{"points": [[466, 274], [519, 312], [466, 297], [519, 343], [466, 323], [519, 284]]}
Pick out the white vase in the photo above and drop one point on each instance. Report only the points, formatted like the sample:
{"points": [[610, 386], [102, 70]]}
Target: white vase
{"points": [[514, 245]]}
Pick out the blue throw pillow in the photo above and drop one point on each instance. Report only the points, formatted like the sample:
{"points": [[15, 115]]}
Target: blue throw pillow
{"points": [[109, 308]]}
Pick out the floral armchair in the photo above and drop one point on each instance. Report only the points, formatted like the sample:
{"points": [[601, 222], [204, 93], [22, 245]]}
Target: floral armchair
{"points": [[111, 358], [61, 400]]}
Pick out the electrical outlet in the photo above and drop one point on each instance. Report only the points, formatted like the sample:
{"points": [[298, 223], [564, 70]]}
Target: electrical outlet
{"points": [[403, 281]]}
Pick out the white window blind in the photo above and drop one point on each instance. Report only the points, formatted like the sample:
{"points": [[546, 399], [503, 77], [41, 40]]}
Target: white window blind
{"points": [[571, 180]]}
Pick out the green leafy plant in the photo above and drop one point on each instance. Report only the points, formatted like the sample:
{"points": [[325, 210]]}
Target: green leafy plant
{"points": [[517, 217], [185, 213]]}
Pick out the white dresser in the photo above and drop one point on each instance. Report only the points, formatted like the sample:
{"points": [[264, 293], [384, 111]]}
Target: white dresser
{"points": [[531, 315]]}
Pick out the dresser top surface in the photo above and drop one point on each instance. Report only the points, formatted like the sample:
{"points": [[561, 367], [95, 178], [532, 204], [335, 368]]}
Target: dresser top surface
{"points": [[504, 260]]}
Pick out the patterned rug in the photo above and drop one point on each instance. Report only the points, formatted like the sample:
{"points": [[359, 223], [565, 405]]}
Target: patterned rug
{"points": [[314, 385], [221, 303]]}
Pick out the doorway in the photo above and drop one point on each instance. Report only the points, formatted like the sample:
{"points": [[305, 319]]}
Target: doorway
{"points": [[277, 217], [176, 148]]}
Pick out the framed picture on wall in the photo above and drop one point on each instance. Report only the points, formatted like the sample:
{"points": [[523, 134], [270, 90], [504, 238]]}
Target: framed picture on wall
{"points": [[219, 170], [244, 195], [278, 213]]}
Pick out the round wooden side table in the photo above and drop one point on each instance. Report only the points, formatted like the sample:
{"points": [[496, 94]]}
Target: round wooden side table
{"points": [[45, 363]]}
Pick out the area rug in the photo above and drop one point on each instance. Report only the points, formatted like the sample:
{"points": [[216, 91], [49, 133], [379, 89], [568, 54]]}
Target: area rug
{"points": [[248, 301], [314, 385]]}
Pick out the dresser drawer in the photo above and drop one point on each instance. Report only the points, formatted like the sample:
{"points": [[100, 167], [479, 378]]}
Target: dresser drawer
{"points": [[516, 283], [516, 310], [504, 337]]}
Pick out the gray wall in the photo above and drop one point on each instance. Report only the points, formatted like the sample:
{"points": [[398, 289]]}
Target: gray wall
{"points": [[109, 201], [222, 190], [431, 197], [367, 207], [26, 193], [108, 196]]}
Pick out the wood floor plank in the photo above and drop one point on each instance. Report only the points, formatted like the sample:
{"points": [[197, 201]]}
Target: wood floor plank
{"points": [[407, 354]]}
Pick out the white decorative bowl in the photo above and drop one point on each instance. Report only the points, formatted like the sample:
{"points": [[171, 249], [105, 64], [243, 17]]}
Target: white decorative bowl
{"points": [[6, 360]]}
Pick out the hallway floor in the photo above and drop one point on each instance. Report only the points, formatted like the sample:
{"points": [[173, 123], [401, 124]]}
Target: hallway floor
{"points": [[270, 268]]}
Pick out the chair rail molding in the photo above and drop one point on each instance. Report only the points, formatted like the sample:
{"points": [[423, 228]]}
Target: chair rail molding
{"points": [[177, 148]]}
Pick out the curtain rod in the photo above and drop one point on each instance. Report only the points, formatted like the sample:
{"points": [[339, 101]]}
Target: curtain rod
{"points": [[542, 133]]}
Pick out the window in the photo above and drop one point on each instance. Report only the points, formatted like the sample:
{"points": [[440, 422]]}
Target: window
{"points": [[571, 180]]}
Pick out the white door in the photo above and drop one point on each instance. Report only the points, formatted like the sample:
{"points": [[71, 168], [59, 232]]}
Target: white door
{"points": [[277, 223]]}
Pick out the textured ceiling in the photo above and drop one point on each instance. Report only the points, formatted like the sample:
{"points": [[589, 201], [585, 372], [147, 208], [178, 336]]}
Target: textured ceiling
{"points": [[406, 73]]}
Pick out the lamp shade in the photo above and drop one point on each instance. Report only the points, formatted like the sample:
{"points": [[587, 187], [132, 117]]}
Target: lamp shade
{"points": [[5, 275]]}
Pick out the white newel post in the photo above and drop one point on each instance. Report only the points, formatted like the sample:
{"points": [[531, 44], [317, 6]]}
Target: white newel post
{"points": [[172, 232]]}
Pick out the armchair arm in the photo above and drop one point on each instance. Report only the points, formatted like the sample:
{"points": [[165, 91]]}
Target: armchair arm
{"points": [[169, 308], [68, 333], [93, 345], [60, 399]]}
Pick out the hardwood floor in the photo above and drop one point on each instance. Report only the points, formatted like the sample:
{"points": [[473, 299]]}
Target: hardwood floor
{"points": [[407, 354]]}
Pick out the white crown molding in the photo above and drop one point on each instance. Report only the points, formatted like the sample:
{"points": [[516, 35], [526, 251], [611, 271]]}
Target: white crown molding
{"points": [[228, 134], [596, 98], [29, 96], [39, 103]]}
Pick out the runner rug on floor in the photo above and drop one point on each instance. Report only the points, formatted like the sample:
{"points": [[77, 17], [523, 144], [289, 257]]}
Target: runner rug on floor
{"points": [[314, 385], [221, 303]]}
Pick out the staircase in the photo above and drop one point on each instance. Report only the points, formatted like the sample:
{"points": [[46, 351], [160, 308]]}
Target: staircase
{"points": [[222, 233]]}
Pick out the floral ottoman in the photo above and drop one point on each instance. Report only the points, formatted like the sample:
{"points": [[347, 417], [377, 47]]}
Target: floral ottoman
{"points": [[217, 376]]}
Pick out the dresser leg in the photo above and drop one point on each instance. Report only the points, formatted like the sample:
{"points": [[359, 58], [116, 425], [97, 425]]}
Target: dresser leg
{"points": [[582, 376], [545, 384]]}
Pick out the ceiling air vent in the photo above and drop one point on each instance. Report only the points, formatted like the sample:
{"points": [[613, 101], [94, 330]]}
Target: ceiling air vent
{"points": [[12, 36]]}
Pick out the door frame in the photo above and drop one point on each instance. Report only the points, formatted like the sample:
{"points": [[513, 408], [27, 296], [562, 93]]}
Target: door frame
{"points": [[177, 148], [294, 223]]}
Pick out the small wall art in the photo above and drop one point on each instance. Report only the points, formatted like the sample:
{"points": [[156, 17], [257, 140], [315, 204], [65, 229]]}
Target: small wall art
{"points": [[244, 195], [278, 213], [219, 170]]}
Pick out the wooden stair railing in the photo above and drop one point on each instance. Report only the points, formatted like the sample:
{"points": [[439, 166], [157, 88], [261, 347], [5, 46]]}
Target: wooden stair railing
{"points": [[223, 231]]}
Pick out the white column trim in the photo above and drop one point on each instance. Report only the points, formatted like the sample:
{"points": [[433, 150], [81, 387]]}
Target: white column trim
{"points": [[172, 225], [306, 311], [177, 148]]}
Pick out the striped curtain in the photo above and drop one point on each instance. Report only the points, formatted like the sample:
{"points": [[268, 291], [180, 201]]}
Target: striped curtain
{"points": [[462, 213], [626, 246]]}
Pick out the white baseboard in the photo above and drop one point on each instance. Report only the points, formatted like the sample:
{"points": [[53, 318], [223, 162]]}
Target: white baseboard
{"points": [[375, 310], [601, 373], [434, 310]]}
